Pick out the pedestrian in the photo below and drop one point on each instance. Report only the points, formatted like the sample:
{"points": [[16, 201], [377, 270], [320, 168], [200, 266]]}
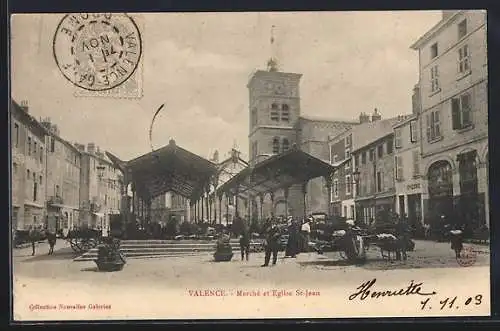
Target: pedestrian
{"points": [[51, 238], [272, 245], [33, 237], [403, 237], [244, 243], [306, 232], [293, 244]]}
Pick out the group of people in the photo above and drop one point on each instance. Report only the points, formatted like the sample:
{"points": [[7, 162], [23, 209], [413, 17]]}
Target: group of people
{"points": [[298, 239]]}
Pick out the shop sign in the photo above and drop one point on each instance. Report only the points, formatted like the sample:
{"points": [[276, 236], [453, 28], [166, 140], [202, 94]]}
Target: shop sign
{"points": [[414, 186]]}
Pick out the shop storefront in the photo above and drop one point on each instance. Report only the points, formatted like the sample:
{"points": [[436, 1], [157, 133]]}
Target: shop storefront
{"points": [[440, 185]]}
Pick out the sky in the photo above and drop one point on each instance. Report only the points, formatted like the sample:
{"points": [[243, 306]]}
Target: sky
{"points": [[198, 65]]}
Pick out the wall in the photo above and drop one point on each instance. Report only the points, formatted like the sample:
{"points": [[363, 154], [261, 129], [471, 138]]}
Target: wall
{"points": [[26, 208]]}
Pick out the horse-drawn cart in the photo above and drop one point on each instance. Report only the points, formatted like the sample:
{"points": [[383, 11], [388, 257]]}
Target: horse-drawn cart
{"points": [[353, 243], [83, 239]]}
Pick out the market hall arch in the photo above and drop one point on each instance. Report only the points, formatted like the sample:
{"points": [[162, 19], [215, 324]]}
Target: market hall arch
{"points": [[440, 187]]}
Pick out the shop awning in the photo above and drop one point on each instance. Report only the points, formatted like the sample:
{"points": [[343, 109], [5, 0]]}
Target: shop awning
{"points": [[277, 172]]}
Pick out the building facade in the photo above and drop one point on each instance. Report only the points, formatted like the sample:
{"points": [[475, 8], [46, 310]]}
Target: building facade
{"points": [[63, 180], [453, 86], [342, 189], [408, 174], [373, 154], [100, 188], [28, 168]]}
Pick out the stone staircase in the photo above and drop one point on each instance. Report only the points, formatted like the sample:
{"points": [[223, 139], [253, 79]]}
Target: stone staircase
{"points": [[142, 249]]}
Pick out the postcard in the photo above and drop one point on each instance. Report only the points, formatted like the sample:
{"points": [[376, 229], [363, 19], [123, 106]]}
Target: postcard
{"points": [[249, 165]]}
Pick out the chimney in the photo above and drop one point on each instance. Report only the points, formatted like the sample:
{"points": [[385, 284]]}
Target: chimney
{"points": [[80, 147], [415, 100], [24, 106], [364, 118], [91, 148], [376, 115], [215, 158]]}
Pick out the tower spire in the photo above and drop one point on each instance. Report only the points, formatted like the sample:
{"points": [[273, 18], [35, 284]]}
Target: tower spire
{"points": [[272, 63]]}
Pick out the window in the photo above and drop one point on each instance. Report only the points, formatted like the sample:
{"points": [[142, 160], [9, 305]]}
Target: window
{"points": [[16, 134], [14, 168], [41, 180], [254, 118], [347, 153], [41, 154], [433, 125], [356, 163], [335, 188], [463, 59], [35, 148], [434, 50], [274, 112], [286, 145], [285, 113], [462, 29], [334, 159], [52, 144], [461, 112], [57, 190], [379, 181], [348, 141], [372, 154], [254, 149], [399, 167], [416, 163], [389, 146], [28, 174], [397, 138], [276, 145], [380, 151], [413, 132], [345, 212], [29, 145], [434, 79], [35, 189], [348, 184], [352, 211], [363, 157]]}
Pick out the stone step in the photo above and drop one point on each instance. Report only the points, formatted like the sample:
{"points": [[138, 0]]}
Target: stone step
{"points": [[158, 241], [92, 257]]}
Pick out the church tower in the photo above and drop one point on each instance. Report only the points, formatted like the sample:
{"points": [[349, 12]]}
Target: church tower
{"points": [[274, 103]]}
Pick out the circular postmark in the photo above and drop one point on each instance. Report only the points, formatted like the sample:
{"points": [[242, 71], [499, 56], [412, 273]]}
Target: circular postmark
{"points": [[97, 51], [467, 257]]}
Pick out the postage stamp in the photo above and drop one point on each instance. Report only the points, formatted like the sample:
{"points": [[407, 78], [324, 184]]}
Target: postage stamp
{"points": [[99, 52], [248, 167]]}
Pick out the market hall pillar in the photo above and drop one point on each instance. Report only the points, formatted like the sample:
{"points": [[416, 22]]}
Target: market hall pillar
{"points": [[304, 196], [261, 198], [271, 194], [220, 208], [328, 180]]}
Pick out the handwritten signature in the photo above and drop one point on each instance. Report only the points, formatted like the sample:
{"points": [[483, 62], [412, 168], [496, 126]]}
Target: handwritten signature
{"points": [[365, 291]]}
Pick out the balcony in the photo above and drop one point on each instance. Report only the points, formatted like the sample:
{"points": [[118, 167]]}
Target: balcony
{"points": [[55, 201]]}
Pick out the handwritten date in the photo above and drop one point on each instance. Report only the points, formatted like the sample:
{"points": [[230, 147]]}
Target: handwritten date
{"points": [[452, 302]]}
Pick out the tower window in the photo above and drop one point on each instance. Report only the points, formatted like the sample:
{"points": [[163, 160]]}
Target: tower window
{"points": [[286, 145], [276, 145], [285, 113], [254, 117], [274, 112]]}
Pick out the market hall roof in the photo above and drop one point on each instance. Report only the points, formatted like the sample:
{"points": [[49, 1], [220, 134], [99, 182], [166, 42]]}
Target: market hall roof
{"points": [[277, 172], [169, 169]]}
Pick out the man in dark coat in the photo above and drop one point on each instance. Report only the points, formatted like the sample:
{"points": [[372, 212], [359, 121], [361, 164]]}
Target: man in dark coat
{"points": [[244, 243], [272, 244], [293, 244]]}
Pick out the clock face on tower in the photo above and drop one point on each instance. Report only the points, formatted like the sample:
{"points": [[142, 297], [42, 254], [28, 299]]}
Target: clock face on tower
{"points": [[279, 88]]}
